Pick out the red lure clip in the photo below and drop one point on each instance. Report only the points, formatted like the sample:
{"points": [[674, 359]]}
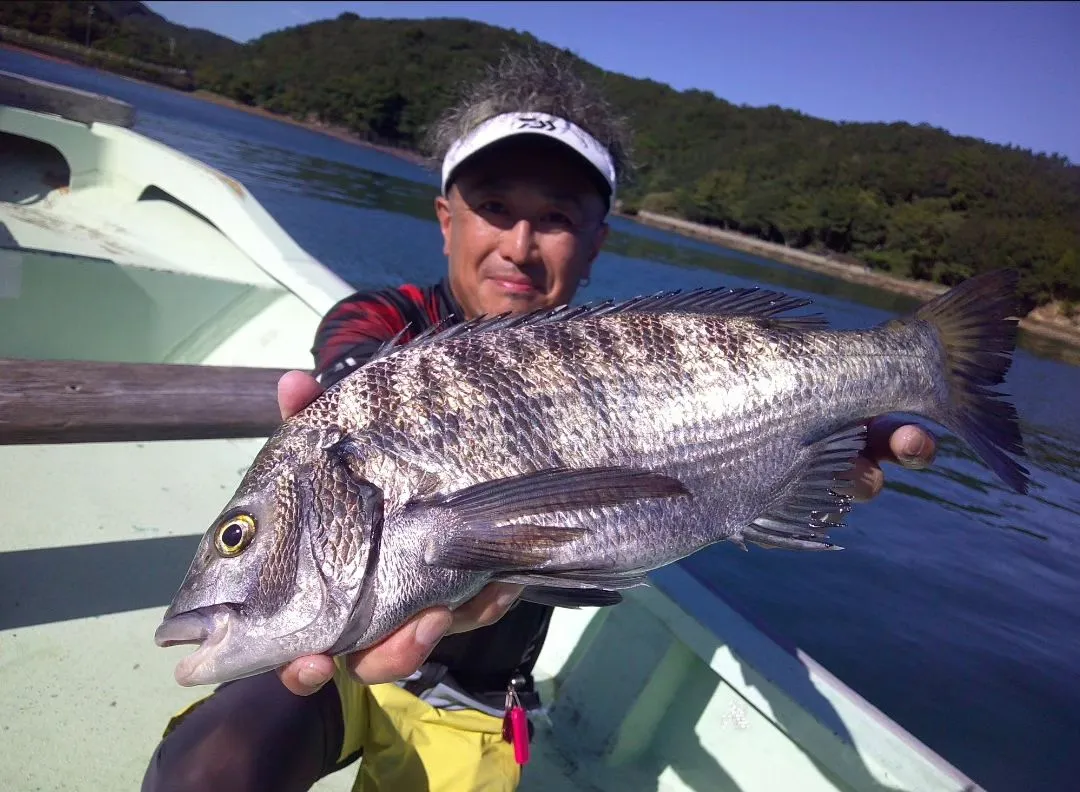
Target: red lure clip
{"points": [[516, 725], [519, 726]]}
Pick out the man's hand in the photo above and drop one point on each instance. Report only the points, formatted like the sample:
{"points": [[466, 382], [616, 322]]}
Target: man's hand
{"points": [[404, 651], [889, 440]]}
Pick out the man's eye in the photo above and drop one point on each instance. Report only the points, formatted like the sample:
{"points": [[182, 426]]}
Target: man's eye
{"points": [[558, 219], [493, 207]]}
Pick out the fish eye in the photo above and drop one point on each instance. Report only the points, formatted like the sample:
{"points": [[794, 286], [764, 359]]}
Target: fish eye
{"points": [[234, 535]]}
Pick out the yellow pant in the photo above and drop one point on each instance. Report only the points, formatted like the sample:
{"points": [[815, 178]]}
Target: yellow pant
{"points": [[410, 746]]}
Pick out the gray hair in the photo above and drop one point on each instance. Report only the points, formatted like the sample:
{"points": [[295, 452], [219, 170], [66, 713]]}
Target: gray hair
{"points": [[536, 82]]}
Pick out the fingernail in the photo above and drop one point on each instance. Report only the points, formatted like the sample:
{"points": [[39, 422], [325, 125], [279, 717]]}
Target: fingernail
{"points": [[912, 446], [310, 677], [506, 599], [432, 627]]}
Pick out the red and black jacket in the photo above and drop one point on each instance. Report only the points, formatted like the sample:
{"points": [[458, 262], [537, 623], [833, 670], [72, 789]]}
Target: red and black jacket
{"points": [[481, 661], [358, 325]]}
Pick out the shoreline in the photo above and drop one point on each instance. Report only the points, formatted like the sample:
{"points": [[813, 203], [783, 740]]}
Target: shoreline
{"points": [[338, 133], [1054, 327], [813, 262]]}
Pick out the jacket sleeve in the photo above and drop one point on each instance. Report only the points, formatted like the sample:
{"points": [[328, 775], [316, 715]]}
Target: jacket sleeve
{"points": [[351, 332]]}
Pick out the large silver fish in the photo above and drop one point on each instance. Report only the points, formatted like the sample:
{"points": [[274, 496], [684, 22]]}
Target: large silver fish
{"points": [[572, 451]]}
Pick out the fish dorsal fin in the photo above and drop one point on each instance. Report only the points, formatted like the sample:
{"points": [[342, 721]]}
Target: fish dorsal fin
{"points": [[388, 346], [798, 521], [720, 301], [392, 344]]}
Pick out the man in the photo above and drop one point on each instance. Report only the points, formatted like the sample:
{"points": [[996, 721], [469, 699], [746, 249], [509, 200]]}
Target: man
{"points": [[531, 160]]}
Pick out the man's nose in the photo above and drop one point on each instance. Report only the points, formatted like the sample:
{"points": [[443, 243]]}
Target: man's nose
{"points": [[517, 242]]}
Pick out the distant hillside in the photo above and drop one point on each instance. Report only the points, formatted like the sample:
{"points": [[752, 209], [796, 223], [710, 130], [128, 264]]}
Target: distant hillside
{"points": [[123, 27], [912, 200]]}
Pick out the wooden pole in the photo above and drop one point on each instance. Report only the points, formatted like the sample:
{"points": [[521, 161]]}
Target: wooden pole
{"points": [[74, 401]]}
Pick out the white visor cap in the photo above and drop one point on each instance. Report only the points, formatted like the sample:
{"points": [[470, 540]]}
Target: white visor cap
{"points": [[507, 125]]}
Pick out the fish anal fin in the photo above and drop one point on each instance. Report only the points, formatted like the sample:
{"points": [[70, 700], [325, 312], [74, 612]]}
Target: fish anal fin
{"points": [[815, 500]]}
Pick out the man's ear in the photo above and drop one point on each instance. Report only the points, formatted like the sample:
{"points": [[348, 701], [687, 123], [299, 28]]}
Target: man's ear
{"points": [[598, 240], [442, 212]]}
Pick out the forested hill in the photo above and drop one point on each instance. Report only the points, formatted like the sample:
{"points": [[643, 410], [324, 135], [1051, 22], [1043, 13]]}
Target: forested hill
{"points": [[122, 27], [911, 199]]}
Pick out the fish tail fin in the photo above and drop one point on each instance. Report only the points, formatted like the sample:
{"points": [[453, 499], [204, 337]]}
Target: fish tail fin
{"points": [[976, 326]]}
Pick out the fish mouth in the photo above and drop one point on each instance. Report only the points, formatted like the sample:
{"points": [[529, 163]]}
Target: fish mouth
{"points": [[206, 627]]}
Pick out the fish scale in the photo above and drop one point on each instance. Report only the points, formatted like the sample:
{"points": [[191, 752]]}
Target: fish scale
{"points": [[573, 451]]}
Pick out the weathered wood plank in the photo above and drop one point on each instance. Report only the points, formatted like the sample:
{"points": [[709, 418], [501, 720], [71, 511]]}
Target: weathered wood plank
{"points": [[66, 401]]}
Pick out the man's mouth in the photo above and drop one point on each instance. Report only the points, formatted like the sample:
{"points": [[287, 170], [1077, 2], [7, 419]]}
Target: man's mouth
{"points": [[517, 287], [514, 285]]}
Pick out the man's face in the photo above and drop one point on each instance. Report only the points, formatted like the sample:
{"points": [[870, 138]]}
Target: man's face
{"points": [[521, 227]]}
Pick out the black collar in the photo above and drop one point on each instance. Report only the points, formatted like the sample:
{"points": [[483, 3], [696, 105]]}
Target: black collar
{"points": [[446, 303]]}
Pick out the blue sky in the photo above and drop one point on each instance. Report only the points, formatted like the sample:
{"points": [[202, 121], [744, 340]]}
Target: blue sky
{"points": [[1005, 72]]}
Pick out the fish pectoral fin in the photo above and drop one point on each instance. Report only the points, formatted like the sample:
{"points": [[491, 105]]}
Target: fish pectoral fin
{"points": [[490, 548], [815, 500], [555, 490], [476, 535], [562, 597]]}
